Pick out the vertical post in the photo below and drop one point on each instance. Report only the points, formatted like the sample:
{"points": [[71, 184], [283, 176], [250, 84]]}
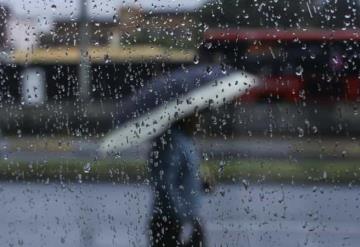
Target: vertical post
{"points": [[87, 230], [85, 66]]}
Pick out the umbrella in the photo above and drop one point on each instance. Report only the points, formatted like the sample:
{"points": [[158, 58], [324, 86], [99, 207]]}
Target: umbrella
{"points": [[165, 100]]}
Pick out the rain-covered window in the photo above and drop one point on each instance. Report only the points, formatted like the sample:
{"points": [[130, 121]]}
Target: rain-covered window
{"points": [[179, 123]]}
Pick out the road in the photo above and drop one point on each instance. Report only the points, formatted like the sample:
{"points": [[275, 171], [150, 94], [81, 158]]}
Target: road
{"points": [[115, 215]]}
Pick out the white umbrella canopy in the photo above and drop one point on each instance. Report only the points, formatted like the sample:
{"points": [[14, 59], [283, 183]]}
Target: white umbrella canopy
{"points": [[165, 100]]}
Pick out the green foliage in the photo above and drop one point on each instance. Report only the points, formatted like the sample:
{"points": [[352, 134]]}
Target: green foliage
{"points": [[334, 172]]}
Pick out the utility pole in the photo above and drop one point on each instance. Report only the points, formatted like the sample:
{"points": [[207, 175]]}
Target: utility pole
{"points": [[85, 66]]}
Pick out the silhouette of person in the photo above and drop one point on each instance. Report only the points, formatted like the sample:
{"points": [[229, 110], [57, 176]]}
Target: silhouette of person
{"points": [[174, 168]]}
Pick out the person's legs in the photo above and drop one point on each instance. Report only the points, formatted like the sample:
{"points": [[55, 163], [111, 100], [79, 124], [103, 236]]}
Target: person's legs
{"points": [[174, 168]]}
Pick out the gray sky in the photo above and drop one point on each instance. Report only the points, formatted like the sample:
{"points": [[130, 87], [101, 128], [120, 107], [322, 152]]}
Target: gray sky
{"points": [[97, 8]]}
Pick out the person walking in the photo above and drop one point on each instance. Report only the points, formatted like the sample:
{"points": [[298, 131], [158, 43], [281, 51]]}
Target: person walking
{"points": [[175, 176]]}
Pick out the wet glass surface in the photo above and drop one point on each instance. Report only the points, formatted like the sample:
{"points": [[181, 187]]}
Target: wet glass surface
{"points": [[179, 123]]}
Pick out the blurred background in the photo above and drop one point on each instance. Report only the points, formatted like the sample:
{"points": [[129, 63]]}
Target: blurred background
{"points": [[280, 164]]}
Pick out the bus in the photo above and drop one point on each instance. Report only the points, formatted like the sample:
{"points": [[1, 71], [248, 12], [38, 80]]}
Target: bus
{"points": [[296, 66]]}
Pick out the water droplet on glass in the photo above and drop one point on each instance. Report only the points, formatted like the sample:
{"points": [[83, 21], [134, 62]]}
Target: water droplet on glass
{"points": [[205, 156], [324, 175], [196, 59], [223, 68], [221, 167], [107, 58], [208, 45], [299, 70], [189, 36], [314, 129], [79, 178], [245, 183], [335, 60], [355, 110], [115, 18], [53, 7], [222, 192], [300, 132], [209, 70], [87, 167]]}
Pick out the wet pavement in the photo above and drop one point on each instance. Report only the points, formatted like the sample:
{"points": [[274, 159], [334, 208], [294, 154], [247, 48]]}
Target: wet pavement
{"points": [[116, 215]]}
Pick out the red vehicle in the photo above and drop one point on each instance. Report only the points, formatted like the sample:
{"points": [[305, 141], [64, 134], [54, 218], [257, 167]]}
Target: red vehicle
{"points": [[316, 66]]}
